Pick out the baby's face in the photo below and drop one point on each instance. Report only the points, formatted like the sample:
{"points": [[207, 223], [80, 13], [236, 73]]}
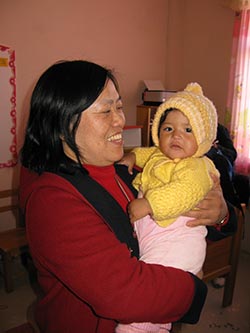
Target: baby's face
{"points": [[176, 139]]}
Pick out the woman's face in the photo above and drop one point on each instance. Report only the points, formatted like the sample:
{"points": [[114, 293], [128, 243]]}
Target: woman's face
{"points": [[99, 134]]}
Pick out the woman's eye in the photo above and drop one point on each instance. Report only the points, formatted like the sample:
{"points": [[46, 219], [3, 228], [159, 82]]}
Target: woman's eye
{"points": [[189, 130], [119, 107]]}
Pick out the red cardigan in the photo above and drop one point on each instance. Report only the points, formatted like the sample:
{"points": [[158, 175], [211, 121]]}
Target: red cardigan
{"points": [[88, 277]]}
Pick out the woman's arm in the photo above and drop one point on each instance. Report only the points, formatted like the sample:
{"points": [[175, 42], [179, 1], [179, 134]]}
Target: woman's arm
{"points": [[217, 232], [81, 251]]}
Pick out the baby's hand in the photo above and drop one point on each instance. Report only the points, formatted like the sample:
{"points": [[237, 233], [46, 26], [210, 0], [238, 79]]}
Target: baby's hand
{"points": [[138, 208], [128, 160]]}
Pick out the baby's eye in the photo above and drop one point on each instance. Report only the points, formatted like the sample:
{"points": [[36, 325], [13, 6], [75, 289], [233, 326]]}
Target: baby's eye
{"points": [[167, 129], [189, 130]]}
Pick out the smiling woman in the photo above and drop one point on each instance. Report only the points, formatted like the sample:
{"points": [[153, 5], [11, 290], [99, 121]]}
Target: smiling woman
{"points": [[103, 116], [73, 195], [104, 121]]}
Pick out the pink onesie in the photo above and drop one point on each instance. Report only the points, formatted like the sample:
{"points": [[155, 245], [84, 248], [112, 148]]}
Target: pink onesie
{"points": [[175, 245]]}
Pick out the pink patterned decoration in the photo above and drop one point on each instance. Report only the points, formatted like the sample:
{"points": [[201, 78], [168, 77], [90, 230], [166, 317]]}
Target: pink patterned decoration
{"points": [[8, 143]]}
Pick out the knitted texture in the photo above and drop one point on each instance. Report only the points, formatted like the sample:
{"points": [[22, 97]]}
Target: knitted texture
{"points": [[172, 187], [200, 112]]}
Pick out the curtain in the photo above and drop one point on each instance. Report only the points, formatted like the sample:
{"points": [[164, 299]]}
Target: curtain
{"points": [[238, 102]]}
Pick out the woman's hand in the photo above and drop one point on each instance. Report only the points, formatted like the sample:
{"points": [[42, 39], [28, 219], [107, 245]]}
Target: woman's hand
{"points": [[212, 209]]}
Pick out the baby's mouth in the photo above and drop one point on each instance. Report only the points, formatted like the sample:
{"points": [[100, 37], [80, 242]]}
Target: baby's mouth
{"points": [[176, 146]]}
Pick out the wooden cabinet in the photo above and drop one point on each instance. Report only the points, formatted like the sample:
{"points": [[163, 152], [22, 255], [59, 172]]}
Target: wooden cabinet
{"points": [[144, 117]]}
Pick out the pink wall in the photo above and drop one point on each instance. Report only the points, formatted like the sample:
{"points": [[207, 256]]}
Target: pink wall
{"points": [[199, 38], [128, 36], [175, 41]]}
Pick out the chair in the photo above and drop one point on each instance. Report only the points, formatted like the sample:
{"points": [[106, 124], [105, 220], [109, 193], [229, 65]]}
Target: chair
{"points": [[13, 242], [222, 260]]}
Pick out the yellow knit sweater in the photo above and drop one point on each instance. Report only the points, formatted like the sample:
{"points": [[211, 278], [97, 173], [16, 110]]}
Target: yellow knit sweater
{"points": [[172, 187]]}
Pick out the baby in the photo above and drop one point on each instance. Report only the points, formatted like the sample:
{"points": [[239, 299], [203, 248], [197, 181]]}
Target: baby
{"points": [[174, 179]]}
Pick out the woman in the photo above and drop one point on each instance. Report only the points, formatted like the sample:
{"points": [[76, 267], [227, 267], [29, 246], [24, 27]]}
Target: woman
{"points": [[83, 245]]}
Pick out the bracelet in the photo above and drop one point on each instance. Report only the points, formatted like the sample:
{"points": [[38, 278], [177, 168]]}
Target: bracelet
{"points": [[223, 220]]}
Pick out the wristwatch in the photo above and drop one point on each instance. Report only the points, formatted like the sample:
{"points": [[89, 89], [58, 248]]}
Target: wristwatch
{"points": [[221, 222]]}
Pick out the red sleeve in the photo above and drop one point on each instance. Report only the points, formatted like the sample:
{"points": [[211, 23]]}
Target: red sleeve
{"points": [[80, 250]]}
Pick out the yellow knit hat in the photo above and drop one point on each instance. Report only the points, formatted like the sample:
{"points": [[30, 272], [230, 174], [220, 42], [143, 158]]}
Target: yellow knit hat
{"points": [[200, 112]]}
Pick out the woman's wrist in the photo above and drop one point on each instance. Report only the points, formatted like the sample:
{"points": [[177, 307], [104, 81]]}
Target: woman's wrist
{"points": [[223, 221]]}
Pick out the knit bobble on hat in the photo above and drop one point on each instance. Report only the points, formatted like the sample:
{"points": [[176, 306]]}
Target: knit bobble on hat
{"points": [[195, 88], [200, 112]]}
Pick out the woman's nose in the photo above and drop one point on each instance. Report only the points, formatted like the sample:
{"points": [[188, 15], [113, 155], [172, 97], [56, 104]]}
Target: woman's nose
{"points": [[118, 118]]}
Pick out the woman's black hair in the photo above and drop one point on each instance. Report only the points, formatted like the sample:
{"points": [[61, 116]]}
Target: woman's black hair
{"points": [[60, 96], [162, 119]]}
